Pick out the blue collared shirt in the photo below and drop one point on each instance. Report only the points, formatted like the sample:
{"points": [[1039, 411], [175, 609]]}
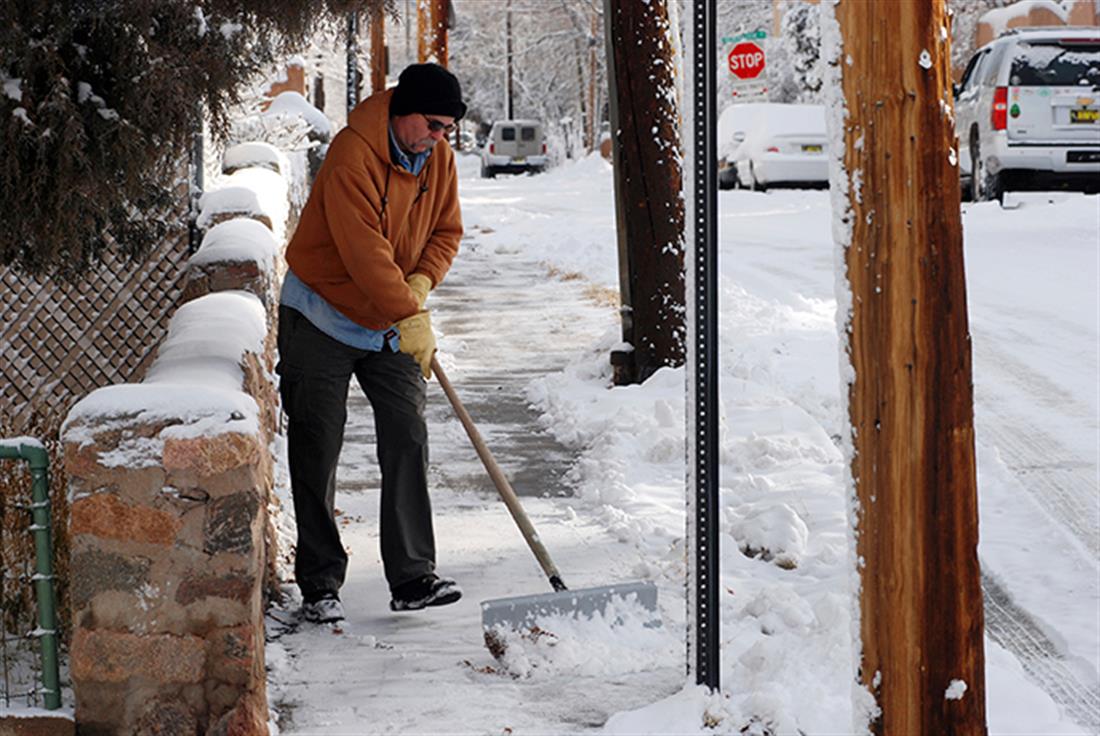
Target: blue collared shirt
{"points": [[324, 316]]}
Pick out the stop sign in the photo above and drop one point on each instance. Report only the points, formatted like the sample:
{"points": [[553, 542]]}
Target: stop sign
{"points": [[746, 60]]}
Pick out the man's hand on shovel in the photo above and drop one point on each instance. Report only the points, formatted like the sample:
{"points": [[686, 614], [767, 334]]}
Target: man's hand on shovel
{"points": [[418, 340]]}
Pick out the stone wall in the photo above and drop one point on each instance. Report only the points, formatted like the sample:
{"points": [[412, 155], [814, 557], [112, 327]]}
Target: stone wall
{"points": [[170, 490]]}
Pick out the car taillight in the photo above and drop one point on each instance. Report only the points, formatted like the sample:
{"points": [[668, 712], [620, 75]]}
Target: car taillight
{"points": [[492, 148], [772, 149], [544, 148], [1000, 108]]}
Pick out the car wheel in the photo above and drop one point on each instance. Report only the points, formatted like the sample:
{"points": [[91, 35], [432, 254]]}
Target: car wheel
{"points": [[487, 172], [993, 187], [754, 184], [984, 185]]}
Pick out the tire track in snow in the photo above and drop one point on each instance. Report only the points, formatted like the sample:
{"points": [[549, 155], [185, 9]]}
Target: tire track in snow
{"points": [[1013, 628], [1062, 483]]}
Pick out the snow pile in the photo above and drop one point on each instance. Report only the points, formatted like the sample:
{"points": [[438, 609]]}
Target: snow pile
{"points": [[617, 640], [254, 153], [788, 617], [249, 192], [195, 383], [291, 105], [18, 442], [238, 240]]}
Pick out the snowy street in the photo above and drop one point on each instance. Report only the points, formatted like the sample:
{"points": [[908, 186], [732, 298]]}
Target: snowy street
{"points": [[526, 320]]}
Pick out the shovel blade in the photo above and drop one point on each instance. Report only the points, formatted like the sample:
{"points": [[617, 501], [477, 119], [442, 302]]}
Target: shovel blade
{"points": [[521, 613]]}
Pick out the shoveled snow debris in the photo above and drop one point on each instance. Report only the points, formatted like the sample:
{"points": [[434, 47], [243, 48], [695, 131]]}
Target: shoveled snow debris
{"points": [[618, 640], [789, 622]]}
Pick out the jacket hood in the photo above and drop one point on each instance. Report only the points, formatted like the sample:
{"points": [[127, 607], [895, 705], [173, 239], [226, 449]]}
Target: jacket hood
{"points": [[371, 121]]}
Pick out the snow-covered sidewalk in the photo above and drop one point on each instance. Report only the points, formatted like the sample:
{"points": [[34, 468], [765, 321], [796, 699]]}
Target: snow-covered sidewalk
{"points": [[527, 317]]}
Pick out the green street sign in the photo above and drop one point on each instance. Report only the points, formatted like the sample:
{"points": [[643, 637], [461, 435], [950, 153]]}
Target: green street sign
{"points": [[750, 36]]}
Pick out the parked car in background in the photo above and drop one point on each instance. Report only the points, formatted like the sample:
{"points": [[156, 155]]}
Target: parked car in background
{"points": [[762, 144], [1027, 112], [514, 147]]}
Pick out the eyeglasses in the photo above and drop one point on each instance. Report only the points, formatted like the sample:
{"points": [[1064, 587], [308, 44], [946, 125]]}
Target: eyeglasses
{"points": [[437, 125]]}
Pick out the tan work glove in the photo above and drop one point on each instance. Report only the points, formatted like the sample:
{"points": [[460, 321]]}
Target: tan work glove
{"points": [[418, 340], [420, 285]]}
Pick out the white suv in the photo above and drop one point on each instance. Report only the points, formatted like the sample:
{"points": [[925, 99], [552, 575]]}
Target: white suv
{"points": [[1027, 112]]}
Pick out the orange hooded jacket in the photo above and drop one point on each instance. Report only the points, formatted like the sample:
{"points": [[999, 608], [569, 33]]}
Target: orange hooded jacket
{"points": [[369, 222]]}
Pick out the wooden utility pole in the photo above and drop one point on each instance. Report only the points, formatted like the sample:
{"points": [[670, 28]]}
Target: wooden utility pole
{"points": [[438, 32], [431, 30], [423, 24], [648, 201], [508, 61], [911, 394], [378, 60]]}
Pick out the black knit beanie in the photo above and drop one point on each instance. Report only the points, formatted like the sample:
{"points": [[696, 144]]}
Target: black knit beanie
{"points": [[429, 89]]}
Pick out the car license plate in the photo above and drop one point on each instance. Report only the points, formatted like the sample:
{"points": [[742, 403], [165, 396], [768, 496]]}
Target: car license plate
{"points": [[1082, 157], [519, 160], [1084, 115], [811, 149]]}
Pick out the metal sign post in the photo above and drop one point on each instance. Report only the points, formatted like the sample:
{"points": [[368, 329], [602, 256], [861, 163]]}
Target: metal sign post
{"points": [[351, 93], [705, 339]]}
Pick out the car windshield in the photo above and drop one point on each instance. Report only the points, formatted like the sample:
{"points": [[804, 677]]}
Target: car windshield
{"points": [[1056, 65]]}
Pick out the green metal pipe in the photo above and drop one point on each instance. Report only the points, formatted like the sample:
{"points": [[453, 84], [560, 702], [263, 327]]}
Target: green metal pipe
{"points": [[39, 461]]}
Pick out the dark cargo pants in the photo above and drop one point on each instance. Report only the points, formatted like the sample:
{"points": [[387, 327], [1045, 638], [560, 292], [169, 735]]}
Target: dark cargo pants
{"points": [[315, 371]]}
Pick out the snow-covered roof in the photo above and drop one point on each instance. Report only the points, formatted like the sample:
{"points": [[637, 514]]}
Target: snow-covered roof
{"points": [[999, 18]]}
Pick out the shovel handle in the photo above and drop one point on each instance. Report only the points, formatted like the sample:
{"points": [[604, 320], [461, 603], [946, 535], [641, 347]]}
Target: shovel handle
{"points": [[504, 488]]}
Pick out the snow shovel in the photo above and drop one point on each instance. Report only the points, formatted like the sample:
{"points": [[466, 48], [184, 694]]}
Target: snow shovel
{"points": [[521, 613]]}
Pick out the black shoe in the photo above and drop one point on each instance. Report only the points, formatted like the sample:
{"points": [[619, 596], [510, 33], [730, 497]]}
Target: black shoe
{"points": [[429, 590], [326, 609]]}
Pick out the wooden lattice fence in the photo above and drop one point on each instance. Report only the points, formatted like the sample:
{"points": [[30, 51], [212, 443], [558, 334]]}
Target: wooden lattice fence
{"points": [[59, 342]]}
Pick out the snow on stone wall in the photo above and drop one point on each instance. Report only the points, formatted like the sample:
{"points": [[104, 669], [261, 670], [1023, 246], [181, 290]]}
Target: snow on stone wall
{"points": [[171, 491]]}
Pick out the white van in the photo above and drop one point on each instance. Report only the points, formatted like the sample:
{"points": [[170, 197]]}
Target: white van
{"points": [[514, 147], [1027, 112]]}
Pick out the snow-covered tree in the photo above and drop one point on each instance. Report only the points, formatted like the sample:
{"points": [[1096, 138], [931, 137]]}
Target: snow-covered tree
{"points": [[798, 74], [554, 69], [99, 102], [964, 24]]}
